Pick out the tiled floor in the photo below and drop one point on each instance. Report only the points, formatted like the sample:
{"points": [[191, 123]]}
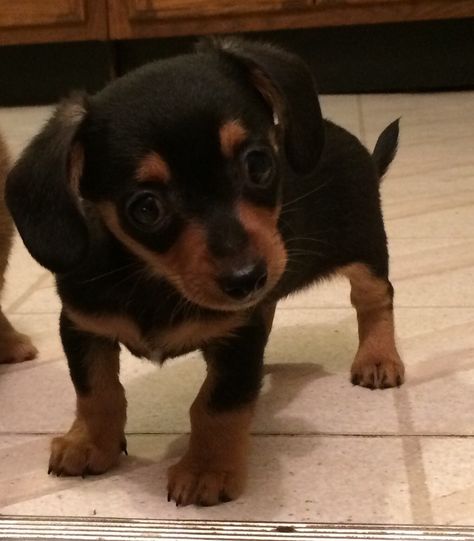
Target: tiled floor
{"points": [[323, 450]]}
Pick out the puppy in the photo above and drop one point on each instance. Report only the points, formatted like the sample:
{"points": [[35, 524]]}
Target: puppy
{"points": [[14, 346], [176, 207]]}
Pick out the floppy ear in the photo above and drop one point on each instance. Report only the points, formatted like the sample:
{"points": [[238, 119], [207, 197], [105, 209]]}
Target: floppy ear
{"points": [[287, 85], [42, 192]]}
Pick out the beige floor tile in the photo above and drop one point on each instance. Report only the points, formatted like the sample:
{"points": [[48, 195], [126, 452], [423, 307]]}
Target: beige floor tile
{"points": [[450, 478], [20, 124], [43, 300], [23, 276], [308, 479], [435, 122], [429, 190], [343, 110], [431, 215], [433, 272]]}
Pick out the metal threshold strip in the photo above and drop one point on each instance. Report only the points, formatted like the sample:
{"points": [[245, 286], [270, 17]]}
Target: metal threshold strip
{"points": [[90, 529]]}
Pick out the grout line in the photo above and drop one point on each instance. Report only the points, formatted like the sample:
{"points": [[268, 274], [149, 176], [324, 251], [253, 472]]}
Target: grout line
{"points": [[396, 307], [26, 294], [28, 313], [419, 492], [274, 435]]}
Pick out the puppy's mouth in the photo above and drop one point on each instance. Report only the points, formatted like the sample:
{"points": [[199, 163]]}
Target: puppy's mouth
{"points": [[235, 290]]}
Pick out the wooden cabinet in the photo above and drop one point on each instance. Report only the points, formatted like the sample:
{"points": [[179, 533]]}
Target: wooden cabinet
{"points": [[46, 21], [39, 21], [157, 18]]}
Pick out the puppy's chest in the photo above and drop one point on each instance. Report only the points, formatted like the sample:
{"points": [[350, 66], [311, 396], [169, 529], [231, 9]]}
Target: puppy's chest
{"points": [[161, 341]]}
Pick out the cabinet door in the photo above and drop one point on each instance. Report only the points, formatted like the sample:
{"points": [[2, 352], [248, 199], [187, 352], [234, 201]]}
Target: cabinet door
{"points": [[182, 9], [156, 18], [39, 21], [149, 18]]}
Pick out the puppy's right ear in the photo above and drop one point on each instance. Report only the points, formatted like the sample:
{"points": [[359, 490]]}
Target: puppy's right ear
{"points": [[42, 191]]}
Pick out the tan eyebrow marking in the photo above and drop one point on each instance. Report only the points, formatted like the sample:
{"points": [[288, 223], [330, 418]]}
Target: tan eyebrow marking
{"points": [[231, 135], [153, 167]]}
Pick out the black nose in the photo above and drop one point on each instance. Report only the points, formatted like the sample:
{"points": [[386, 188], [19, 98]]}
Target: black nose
{"points": [[239, 283]]}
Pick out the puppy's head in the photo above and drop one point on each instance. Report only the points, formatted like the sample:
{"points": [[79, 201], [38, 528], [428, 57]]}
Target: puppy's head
{"points": [[183, 161]]}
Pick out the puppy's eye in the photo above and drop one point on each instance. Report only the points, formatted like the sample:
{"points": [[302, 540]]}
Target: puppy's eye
{"points": [[259, 167], [145, 210]]}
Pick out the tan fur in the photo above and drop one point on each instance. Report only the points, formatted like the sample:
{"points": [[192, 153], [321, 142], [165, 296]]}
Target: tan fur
{"points": [[153, 167], [377, 363], [261, 226], [114, 327], [214, 467], [96, 438], [189, 270], [72, 111], [270, 94], [231, 134], [197, 333], [191, 334], [14, 346], [76, 165]]}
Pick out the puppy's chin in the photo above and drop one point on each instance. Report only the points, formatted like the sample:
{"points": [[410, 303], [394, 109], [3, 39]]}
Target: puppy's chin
{"points": [[222, 303]]}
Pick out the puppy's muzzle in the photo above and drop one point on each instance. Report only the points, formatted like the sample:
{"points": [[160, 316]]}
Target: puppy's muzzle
{"points": [[241, 282]]}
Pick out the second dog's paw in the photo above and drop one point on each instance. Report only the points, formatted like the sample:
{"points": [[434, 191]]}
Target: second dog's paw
{"points": [[77, 455], [377, 373], [16, 348], [190, 485]]}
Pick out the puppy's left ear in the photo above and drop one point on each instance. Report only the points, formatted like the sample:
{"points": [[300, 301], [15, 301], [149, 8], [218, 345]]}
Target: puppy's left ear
{"points": [[42, 191], [287, 85]]}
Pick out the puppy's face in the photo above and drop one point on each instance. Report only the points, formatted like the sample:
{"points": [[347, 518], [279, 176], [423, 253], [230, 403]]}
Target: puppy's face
{"points": [[184, 161], [189, 183]]}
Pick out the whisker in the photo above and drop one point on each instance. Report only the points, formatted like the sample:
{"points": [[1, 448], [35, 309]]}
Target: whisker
{"points": [[109, 273], [307, 194]]}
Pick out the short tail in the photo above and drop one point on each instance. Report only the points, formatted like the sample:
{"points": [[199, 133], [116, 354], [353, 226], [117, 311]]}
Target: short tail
{"points": [[386, 148]]}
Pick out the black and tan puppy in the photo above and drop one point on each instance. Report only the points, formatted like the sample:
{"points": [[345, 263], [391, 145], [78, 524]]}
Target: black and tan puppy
{"points": [[176, 207], [14, 346]]}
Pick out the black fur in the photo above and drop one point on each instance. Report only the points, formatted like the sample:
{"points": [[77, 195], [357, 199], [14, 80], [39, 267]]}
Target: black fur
{"points": [[386, 147], [41, 202], [238, 364], [327, 184]]}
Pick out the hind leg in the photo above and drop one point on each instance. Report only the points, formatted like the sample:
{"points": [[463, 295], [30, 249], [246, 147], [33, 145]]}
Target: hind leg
{"points": [[377, 364]]}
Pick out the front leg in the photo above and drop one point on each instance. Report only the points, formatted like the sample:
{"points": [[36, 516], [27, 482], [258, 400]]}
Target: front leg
{"points": [[96, 438], [214, 468]]}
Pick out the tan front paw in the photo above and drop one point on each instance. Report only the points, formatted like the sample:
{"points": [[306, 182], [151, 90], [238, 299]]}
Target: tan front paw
{"points": [[377, 372], [189, 484], [77, 455], [16, 348]]}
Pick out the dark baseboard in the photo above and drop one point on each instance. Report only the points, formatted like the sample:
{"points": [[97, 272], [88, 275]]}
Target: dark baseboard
{"points": [[407, 57], [39, 74]]}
